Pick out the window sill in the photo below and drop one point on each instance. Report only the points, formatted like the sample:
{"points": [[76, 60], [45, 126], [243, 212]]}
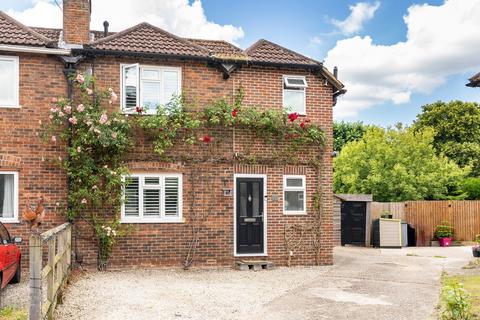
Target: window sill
{"points": [[124, 221], [10, 107], [294, 213], [9, 220]]}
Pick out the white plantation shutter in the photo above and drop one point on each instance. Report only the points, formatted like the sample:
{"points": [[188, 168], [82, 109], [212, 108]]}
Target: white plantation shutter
{"points": [[130, 87], [151, 202], [171, 197], [132, 197], [170, 85], [153, 198]]}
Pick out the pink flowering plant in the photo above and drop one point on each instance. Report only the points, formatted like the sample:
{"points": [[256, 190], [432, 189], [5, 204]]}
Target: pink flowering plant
{"points": [[95, 141]]}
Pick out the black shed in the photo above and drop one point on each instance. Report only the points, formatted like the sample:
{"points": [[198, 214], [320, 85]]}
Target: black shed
{"points": [[351, 219]]}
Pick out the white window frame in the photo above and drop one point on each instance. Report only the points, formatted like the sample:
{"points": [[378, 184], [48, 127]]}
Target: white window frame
{"points": [[294, 88], [141, 185], [16, 103], [13, 219], [302, 188], [140, 68]]}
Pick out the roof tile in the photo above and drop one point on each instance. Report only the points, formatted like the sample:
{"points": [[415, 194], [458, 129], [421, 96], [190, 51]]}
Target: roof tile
{"points": [[269, 52], [15, 33], [146, 38]]}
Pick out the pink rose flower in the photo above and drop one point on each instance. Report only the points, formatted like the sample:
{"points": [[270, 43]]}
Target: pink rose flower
{"points": [[60, 114], [80, 78], [72, 120], [89, 91], [113, 96], [67, 109], [79, 149], [54, 139], [103, 119], [53, 110], [80, 108], [54, 100], [114, 135]]}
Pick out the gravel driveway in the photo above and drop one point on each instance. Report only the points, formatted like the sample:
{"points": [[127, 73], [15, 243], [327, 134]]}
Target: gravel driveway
{"points": [[363, 284]]}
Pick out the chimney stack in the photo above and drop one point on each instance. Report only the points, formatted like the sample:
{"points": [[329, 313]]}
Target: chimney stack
{"points": [[76, 21]]}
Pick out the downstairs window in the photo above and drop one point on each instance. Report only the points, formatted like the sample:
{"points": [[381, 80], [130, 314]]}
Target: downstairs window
{"points": [[294, 194], [151, 198], [8, 196]]}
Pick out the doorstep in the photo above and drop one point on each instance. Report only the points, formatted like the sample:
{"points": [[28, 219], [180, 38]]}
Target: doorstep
{"points": [[255, 265]]}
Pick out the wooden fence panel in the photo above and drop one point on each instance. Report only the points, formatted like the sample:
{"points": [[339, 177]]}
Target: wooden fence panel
{"points": [[397, 209], [54, 273], [425, 215], [466, 219]]}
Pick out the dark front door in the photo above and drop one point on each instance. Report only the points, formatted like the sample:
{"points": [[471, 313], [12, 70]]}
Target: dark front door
{"points": [[353, 222], [249, 215]]}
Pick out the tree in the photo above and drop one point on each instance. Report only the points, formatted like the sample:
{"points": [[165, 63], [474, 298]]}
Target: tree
{"points": [[344, 132], [396, 165], [471, 186], [457, 131]]}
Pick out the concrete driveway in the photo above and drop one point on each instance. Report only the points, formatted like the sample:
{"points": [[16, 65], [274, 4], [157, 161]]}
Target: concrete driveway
{"points": [[373, 284], [363, 284]]}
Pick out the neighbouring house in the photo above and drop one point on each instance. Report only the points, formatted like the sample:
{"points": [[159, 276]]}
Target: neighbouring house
{"points": [[474, 81], [247, 208]]}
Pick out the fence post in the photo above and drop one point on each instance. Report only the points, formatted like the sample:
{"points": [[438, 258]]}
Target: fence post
{"points": [[35, 284]]}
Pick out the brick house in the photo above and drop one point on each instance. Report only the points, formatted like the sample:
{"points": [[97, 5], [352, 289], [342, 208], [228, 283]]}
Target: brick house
{"points": [[217, 211]]}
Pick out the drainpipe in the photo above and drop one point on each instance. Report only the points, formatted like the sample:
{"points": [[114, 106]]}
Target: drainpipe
{"points": [[70, 64]]}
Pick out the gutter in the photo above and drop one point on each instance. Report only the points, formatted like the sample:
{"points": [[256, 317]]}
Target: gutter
{"points": [[98, 52], [41, 50], [336, 94]]}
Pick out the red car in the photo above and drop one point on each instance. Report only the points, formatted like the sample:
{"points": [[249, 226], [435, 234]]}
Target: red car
{"points": [[10, 257]]}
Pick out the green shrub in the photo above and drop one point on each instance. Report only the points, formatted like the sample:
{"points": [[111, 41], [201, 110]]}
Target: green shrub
{"points": [[471, 186], [444, 230], [457, 305]]}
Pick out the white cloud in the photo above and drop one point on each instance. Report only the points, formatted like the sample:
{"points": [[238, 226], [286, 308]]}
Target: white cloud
{"points": [[441, 41], [176, 16], [359, 14]]}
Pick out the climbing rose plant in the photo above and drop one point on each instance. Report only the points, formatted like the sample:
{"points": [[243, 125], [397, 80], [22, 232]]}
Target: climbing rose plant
{"points": [[175, 121], [95, 142]]}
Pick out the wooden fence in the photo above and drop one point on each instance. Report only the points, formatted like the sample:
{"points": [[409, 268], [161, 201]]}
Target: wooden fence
{"points": [[397, 209], [58, 244], [425, 215]]}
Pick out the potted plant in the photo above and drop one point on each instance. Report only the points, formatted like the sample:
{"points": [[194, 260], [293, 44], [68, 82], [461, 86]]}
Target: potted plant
{"points": [[476, 248], [387, 215], [444, 234]]}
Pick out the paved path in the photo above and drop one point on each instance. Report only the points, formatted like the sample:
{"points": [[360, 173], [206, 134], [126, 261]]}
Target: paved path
{"points": [[363, 284]]}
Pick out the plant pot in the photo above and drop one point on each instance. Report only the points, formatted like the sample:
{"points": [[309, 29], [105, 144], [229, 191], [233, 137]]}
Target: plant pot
{"points": [[445, 242], [476, 252]]}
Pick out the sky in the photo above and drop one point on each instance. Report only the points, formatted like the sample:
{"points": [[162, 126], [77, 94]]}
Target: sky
{"points": [[393, 55]]}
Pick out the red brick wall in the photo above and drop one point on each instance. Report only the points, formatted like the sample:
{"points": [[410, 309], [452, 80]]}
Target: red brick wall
{"points": [[76, 21], [21, 149]]}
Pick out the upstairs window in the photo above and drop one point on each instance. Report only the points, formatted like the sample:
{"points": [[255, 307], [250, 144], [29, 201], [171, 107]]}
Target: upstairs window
{"points": [[294, 88], [153, 198], [8, 196], [294, 194], [9, 82], [148, 87]]}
